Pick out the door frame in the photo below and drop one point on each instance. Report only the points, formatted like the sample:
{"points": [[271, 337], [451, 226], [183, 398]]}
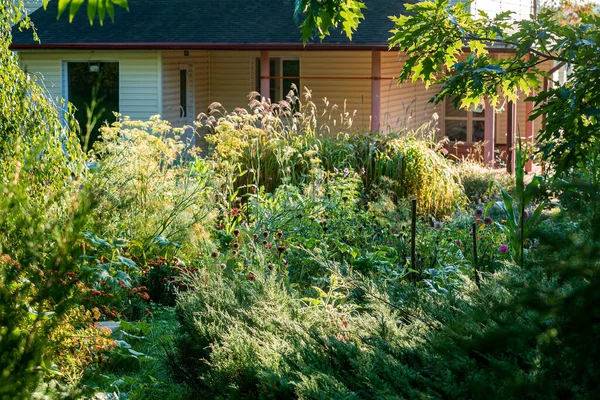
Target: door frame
{"points": [[190, 95]]}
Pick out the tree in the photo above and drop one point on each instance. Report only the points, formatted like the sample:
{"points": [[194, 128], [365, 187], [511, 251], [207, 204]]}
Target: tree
{"points": [[433, 35]]}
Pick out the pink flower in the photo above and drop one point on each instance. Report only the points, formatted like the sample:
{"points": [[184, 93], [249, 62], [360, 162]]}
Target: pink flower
{"points": [[503, 249]]}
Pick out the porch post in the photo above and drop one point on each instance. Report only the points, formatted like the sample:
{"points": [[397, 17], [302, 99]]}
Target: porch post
{"points": [[375, 90], [511, 124], [489, 136], [265, 72]]}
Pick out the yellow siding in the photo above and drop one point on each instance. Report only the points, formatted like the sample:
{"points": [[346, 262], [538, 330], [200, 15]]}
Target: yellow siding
{"points": [[139, 76], [406, 105], [231, 78], [171, 63], [354, 93]]}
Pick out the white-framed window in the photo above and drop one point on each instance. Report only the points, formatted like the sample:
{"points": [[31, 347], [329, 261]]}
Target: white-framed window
{"points": [[285, 72], [465, 126]]}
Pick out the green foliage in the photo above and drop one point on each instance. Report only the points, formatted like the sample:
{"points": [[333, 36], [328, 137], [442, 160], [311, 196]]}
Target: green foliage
{"points": [[288, 256], [94, 8], [287, 149], [445, 44], [316, 18], [476, 181], [569, 136], [42, 213], [259, 336], [137, 368], [520, 221], [146, 191]]}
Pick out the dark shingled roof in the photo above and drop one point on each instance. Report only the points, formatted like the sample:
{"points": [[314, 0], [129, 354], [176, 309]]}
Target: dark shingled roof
{"points": [[208, 24]]}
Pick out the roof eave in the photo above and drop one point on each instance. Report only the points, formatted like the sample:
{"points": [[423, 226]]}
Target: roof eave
{"points": [[200, 46]]}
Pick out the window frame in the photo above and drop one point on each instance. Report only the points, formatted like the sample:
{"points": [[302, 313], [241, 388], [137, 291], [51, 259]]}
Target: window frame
{"points": [[469, 118], [187, 117]]}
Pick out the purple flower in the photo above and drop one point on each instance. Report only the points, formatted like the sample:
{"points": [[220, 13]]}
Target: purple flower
{"points": [[458, 242], [503, 249], [362, 171], [437, 225], [488, 221], [346, 172], [478, 213], [335, 170], [331, 180]]}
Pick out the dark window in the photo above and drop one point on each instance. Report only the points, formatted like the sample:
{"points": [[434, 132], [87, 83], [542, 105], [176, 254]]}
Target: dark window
{"points": [[286, 73], [94, 91], [183, 93], [291, 69]]}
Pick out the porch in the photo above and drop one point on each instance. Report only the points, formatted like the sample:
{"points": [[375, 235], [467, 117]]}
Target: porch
{"points": [[361, 81]]}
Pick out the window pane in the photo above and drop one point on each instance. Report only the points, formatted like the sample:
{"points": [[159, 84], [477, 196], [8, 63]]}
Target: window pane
{"points": [[456, 130], [452, 112], [291, 68], [275, 92], [478, 131]]}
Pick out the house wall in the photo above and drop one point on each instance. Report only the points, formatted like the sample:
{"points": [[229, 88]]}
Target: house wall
{"points": [[171, 64], [406, 105], [227, 77], [139, 76], [231, 77], [353, 93]]}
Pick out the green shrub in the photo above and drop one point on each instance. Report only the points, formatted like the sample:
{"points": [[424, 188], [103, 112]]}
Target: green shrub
{"points": [[271, 149], [146, 192], [253, 338], [42, 215], [476, 181]]}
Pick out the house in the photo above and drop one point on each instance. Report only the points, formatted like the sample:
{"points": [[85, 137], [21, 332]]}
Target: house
{"points": [[176, 57]]}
